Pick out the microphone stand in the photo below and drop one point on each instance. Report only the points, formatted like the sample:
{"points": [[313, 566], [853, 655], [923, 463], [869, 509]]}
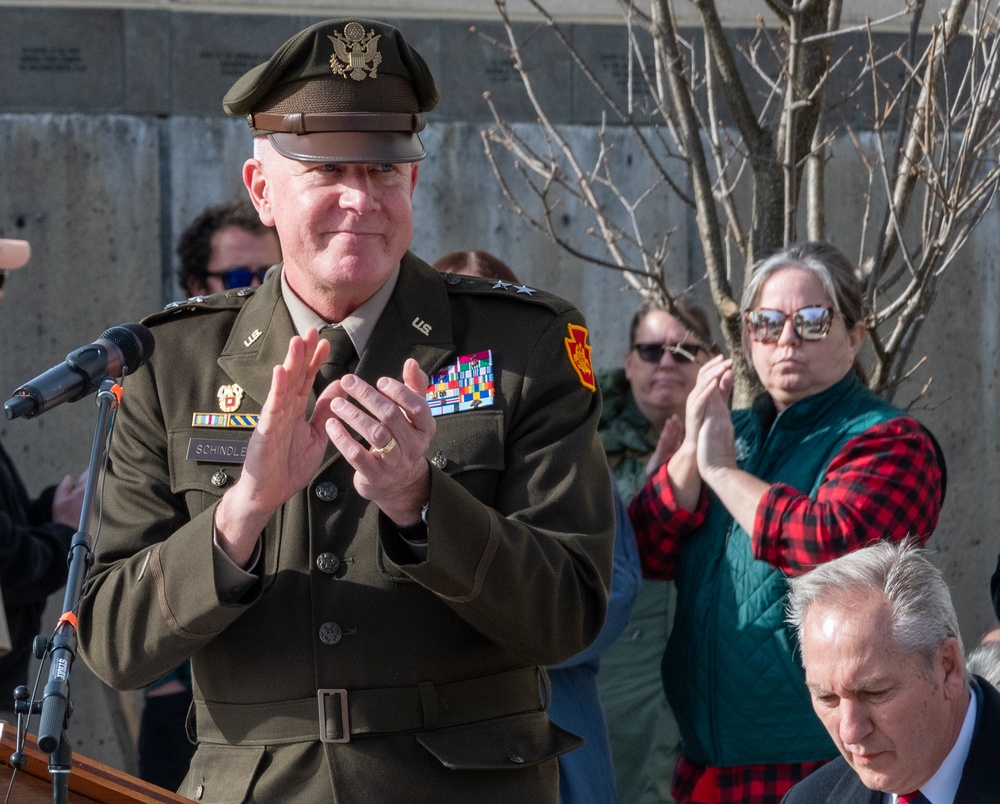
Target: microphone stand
{"points": [[56, 707]]}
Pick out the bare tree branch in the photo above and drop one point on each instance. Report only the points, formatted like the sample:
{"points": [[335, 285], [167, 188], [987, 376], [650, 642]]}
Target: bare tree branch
{"points": [[738, 126]]}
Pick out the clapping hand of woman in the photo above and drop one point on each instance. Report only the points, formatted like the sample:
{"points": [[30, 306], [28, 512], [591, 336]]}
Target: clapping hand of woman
{"points": [[706, 420]]}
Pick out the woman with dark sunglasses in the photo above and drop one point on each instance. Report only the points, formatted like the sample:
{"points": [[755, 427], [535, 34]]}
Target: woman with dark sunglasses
{"points": [[816, 467]]}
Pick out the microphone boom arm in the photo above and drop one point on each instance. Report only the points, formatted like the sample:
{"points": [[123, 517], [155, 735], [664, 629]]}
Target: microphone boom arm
{"points": [[56, 707]]}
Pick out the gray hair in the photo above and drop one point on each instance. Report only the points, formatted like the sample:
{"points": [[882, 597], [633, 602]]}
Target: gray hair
{"points": [[985, 661], [922, 614], [839, 276]]}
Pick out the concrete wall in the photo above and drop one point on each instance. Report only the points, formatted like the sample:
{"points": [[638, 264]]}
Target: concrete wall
{"points": [[112, 139], [733, 12]]}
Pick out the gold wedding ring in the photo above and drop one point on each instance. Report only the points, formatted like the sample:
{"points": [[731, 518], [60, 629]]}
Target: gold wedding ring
{"points": [[382, 451]]}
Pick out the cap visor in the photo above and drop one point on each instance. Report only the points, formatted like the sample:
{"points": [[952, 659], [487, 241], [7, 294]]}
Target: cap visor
{"points": [[367, 147], [13, 253]]}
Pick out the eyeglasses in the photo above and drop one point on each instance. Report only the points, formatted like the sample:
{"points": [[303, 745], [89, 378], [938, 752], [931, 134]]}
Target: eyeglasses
{"points": [[242, 276], [811, 323], [680, 352]]}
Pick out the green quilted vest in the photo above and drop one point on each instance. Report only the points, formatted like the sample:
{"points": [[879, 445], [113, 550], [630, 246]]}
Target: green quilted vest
{"points": [[731, 669]]}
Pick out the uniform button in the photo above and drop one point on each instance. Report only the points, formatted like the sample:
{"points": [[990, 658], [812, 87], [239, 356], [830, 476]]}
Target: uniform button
{"points": [[452, 279], [327, 491], [327, 562], [517, 759], [219, 479], [199, 791], [330, 633], [439, 460]]}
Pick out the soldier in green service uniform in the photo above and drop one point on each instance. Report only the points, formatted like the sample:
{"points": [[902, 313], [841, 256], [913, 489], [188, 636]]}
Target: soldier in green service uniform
{"points": [[369, 540]]}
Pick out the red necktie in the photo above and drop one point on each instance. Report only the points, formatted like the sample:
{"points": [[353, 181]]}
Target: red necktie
{"points": [[915, 797]]}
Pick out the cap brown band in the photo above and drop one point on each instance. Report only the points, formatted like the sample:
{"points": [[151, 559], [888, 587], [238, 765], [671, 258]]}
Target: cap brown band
{"points": [[346, 121]]}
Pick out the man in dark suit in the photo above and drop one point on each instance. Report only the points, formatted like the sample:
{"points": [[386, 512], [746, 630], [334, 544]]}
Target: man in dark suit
{"points": [[886, 670], [369, 559]]}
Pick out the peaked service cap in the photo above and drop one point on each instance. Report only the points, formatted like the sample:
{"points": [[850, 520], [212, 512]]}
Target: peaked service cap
{"points": [[346, 90]]}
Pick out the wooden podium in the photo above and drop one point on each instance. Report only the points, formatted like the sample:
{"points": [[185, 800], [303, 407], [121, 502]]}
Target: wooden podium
{"points": [[89, 781]]}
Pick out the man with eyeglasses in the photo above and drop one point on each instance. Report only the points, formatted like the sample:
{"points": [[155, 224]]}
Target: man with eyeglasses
{"points": [[226, 247]]}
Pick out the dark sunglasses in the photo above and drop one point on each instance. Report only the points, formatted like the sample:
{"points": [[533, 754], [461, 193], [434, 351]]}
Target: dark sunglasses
{"points": [[680, 352], [811, 323], [241, 276]]}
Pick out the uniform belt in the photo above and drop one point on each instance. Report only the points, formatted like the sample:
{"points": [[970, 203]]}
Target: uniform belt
{"points": [[337, 715]]}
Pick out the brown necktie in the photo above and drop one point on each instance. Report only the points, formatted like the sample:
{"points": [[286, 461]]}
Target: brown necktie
{"points": [[338, 362]]}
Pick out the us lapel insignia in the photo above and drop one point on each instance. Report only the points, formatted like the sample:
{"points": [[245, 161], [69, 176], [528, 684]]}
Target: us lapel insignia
{"points": [[467, 384], [579, 356], [230, 397]]}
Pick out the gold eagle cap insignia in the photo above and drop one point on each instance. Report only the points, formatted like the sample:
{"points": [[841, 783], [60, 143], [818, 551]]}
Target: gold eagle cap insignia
{"points": [[355, 53]]}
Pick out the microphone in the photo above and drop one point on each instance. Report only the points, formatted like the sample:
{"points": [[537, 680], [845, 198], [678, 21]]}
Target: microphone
{"points": [[119, 351]]}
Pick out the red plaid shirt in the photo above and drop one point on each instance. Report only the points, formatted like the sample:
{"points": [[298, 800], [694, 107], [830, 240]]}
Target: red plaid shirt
{"points": [[761, 784], [885, 483]]}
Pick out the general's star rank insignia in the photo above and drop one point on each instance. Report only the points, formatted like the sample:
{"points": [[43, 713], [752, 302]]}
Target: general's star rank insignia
{"points": [[230, 397], [579, 356]]}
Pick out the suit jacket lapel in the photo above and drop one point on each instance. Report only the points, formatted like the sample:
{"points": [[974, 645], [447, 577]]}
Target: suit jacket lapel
{"points": [[980, 781]]}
